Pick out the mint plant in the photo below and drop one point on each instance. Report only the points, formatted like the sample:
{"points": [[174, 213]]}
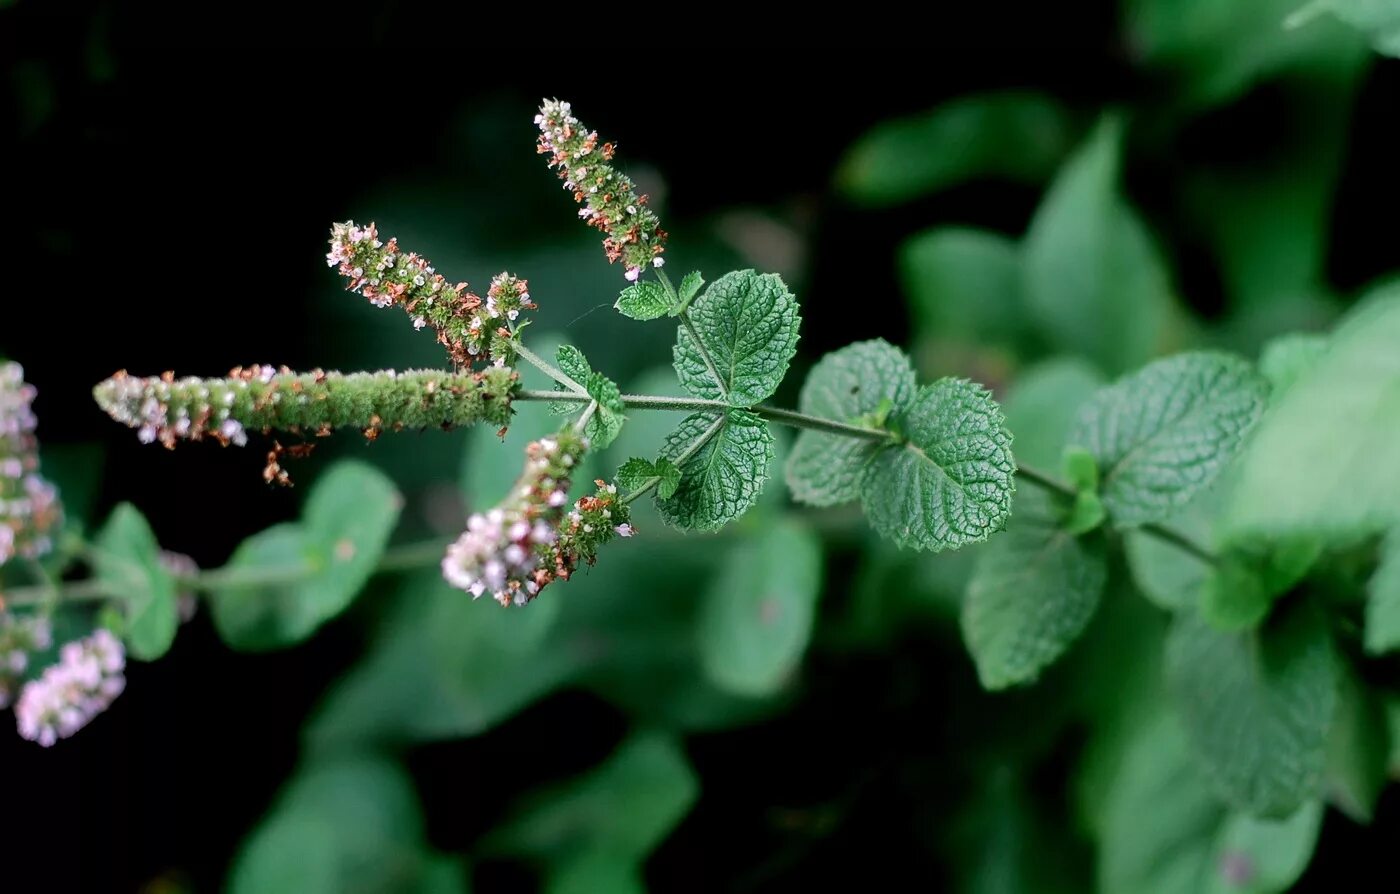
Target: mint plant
{"points": [[1241, 499]]}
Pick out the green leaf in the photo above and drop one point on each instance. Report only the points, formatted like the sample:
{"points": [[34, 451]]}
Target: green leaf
{"points": [[625, 807], [1358, 750], [1215, 51], [1164, 433], [318, 566], [1379, 20], [1191, 845], [857, 380], [690, 287], [604, 425], [1016, 136], [1285, 359], [951, 483], [1259, 856], [964, 285], [127, 558], [271, 614], [595, 871], [1383, 599], [747, 329], [637, 473], [442, 666], [757, 615], [1094, 282], [1086, 514], [1035, 588], [1156, 778], [646, 300], [721, 478], [1315, 464], [1257, 706], [351, 824], [1041, 404], [348, 517], [1251, 576]]}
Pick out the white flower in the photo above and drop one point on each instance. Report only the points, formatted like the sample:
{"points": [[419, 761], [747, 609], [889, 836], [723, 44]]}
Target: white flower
{"points": [[624, 530], [632, 274]]}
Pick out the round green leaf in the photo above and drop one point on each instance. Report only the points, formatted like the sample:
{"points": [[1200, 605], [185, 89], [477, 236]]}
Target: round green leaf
{"points": [[757, 616], [127, 558], [857, 381], [951, 483]]}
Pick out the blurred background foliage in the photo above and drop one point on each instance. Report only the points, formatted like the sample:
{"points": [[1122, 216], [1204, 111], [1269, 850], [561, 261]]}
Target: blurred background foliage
{"points": [[786, 703]]}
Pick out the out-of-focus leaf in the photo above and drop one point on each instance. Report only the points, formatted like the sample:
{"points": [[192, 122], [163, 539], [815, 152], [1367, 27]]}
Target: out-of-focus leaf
{"points": [[625, 807], [128, 560], [1041, 405], [964, 285], [595, 872], [1156, 778], [1383, 599], [1035, 589], [1287, 358], [1014, 136], [345, 825], [1258, 706], [759, 609], [305, 574], [1002, 845], [443, 665], [1359, 749], [1217, 50], [1094, 282], [1316, 463], [1256, 856], [1379, 20], [1166, 432]]}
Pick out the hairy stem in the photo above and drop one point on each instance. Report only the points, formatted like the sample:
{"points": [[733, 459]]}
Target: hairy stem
{"points": [[400, 558], [550, 370]]}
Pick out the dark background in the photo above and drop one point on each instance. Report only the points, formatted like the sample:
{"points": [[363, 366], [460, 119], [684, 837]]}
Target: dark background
{"points": [[166, 207]]}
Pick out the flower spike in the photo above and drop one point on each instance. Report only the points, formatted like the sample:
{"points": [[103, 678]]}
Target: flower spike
{"points": [[473, 331], [608, 197]]}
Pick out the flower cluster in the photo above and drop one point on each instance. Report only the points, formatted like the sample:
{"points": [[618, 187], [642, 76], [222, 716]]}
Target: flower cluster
{"points": [[517, 548], [29, 507], [261, 398], [472, 330], [84, 683], [608, 197], [20, 636]]}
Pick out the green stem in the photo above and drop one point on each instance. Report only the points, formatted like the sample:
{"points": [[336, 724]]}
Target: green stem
{"points": [[399, 558], [550, 370], [1161, 532], [587, 414], [693, 404]]}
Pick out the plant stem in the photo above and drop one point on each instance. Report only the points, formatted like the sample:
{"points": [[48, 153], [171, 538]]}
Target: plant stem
{"points": [[692, 404], [550, 370], [1161, 532], [399, 558], [586, 415]]}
